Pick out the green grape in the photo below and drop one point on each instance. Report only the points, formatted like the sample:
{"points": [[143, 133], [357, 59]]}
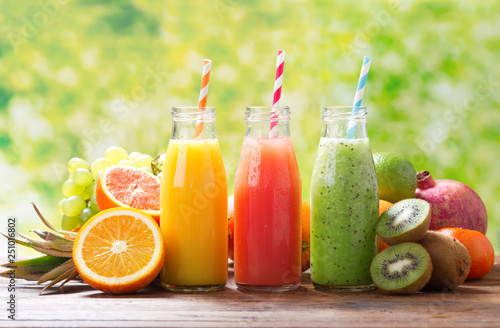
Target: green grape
{"points": [[77, 163], [93, 204], [91, 189], [99, 164], [85, 215], [143, 160], [133, 155], [115, 154], [70, 188], [147, 169], [85, 194], [83, 177], [73, 205], [126, 162], [59, 205], [160, 175], [69, 223]]}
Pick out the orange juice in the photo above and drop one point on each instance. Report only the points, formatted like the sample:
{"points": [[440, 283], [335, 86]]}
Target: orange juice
{"points": [[193, 217]]}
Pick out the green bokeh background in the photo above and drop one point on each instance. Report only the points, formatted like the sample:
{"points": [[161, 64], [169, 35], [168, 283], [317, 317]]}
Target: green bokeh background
{"points": [[78, 76]]}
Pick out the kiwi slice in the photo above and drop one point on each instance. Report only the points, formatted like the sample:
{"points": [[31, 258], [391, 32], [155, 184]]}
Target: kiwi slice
{"points": [[405, 221], [450, 259], [401, 269]]}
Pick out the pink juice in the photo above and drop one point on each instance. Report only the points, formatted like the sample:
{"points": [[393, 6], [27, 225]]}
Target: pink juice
{"points": [[267, 203]]}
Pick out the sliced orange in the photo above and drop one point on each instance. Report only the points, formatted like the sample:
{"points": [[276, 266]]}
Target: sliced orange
{"points": [[125, 186], [119, 250]]}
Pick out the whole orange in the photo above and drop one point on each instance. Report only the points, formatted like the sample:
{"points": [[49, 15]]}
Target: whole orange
{"points": [[479, 247], [230, 227], [381, 245], [383, 205], [306, 235]]}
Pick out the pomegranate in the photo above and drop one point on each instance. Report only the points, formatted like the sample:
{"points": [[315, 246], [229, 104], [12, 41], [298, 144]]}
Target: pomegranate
{"points": [[453, 204]]}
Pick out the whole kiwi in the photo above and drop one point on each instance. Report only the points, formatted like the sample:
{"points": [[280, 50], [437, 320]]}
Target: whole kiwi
{"points": [[450, 260]]}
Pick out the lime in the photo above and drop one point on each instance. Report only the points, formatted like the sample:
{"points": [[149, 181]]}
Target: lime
{"points": [[397, 178]]}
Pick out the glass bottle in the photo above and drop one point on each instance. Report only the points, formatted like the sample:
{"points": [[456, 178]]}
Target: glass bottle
{"points": [[267, 205], [193, 217], [344, 203]]}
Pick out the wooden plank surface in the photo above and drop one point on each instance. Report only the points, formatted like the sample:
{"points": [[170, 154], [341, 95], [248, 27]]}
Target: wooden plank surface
{"points": [[474, 304]]}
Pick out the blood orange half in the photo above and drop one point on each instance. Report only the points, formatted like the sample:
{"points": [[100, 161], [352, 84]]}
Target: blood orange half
{"points": [[125, 186]]}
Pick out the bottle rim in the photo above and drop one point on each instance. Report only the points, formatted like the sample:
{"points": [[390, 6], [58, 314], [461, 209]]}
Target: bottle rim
{"points": [[265, 113], [343, 113], [192, 114]]}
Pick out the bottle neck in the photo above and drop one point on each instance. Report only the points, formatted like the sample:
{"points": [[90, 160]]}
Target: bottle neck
{"points": [[343, 122], [260, 120], [186, 119]]}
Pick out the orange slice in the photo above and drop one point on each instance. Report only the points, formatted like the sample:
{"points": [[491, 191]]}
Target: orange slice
{"points": [[119, 250], [125, 186]]}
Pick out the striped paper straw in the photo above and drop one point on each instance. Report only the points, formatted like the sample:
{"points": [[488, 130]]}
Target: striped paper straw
{"points": [[202, 102], [278, 81], [359, 95]]}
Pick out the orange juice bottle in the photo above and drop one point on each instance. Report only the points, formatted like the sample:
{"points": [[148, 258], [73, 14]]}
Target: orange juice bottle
{"points": [[193, 217]]}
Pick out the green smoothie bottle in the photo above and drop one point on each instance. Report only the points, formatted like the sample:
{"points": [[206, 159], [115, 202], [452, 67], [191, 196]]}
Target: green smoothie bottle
{"points": [[344, 204]]}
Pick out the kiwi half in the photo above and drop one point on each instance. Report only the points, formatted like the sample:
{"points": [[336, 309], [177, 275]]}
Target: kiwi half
{"points": [[401, 269], [450, 259], [405, 221]]}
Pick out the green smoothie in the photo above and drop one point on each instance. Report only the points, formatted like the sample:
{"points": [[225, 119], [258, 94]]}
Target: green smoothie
{"points": [[344, 211]]}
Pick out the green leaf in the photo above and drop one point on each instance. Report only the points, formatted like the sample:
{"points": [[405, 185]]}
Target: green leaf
{"points": [[52, 274], [50, 236], [50, 226], [61, 246], [40, 264], [65, 275], [18, 241], [19, 274], [73, 274], [52, 252]]}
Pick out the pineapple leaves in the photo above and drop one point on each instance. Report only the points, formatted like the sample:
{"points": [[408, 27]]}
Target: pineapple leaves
{"points": [[57, 264]]}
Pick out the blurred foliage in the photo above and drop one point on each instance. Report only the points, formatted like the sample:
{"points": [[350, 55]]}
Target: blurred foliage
{"points": [[81, 75]]}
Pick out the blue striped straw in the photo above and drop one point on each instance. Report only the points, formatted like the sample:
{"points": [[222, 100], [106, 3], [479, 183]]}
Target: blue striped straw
{"points": [[359, 95]]}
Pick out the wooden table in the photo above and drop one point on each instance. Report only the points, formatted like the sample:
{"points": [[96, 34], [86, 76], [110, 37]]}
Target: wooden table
{"points": [[474, 304]]}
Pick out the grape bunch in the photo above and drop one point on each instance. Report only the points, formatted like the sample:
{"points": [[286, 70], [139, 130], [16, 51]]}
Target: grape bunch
{"points": [[79, 204]]}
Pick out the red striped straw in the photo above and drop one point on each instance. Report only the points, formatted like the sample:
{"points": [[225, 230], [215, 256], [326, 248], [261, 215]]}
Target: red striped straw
{"points": [[202, 102], [278, 81]]}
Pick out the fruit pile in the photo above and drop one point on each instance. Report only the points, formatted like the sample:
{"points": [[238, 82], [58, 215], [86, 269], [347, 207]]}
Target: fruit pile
{"points": [[412, 254], [116, 182], [80, 204], [123, 190]]}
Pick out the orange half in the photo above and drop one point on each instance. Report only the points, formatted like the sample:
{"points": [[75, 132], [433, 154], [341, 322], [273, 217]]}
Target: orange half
{"points": [[119, 250], [125, 186]]}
